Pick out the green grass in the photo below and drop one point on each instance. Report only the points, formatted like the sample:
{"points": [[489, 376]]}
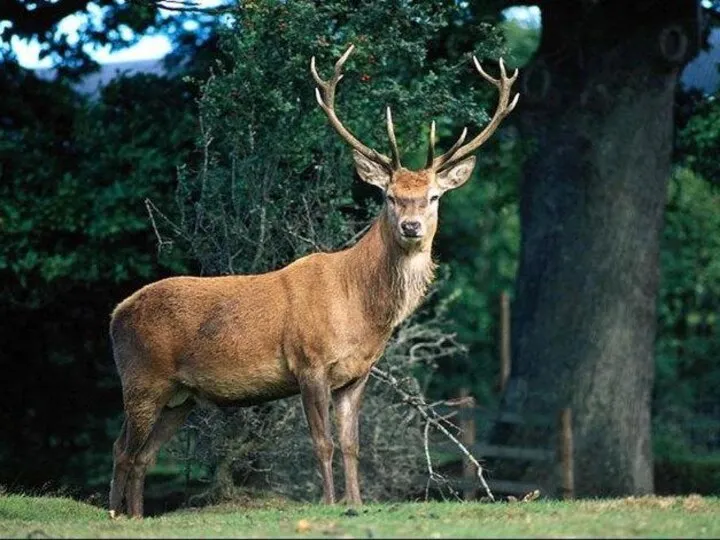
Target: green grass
{"points": [[693, 516]]}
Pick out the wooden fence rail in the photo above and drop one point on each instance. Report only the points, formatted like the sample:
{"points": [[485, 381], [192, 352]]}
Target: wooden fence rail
{"points": [[473, 421], [562, 454], [467, 417]]}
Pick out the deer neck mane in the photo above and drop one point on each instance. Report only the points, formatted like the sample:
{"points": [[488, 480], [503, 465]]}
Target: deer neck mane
{"points": [[392, 279]]}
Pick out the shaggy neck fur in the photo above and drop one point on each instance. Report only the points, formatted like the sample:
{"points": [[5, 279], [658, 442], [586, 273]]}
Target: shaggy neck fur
{"points": [[397, 276]]}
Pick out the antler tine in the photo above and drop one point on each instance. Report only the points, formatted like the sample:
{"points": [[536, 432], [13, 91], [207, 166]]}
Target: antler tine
{"points": [[325, 95], [510, 79], [431, 146], [314, 72], [504, 107], [393, 140], [503, 73], [447, 156], [487, 77]]}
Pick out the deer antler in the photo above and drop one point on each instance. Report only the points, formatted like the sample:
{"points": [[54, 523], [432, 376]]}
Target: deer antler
{"points": [[457, 151], [325, 94]]}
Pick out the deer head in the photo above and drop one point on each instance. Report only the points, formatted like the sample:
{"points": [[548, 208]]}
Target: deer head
{"points": [[412, 196]]}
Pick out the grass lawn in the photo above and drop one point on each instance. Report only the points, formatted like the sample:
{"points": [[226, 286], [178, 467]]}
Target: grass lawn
{"points": [[693, 516]]}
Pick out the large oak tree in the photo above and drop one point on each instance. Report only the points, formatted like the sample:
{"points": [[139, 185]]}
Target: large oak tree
{"points": [[597, 105]]}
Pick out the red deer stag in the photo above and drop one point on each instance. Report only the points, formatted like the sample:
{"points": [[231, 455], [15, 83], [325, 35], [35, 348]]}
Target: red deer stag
{"points": [[315, 327]]}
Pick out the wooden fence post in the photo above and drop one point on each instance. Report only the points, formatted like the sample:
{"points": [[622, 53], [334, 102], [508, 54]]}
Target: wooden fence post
{"points": [[504, 340], [467, 425], [566, 454]]}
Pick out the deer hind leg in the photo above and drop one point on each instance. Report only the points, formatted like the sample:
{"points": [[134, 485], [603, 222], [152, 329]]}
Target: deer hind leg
{"points": [[136, 429], [121, 469], [315, 393], [167, 424], [347, 410], [142, 410]]}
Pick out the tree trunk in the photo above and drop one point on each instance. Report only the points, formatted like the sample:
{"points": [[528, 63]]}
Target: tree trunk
{"points": [[598, 107]]}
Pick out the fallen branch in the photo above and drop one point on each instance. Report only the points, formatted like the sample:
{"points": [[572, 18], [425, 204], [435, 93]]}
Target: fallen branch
{"points": [[431, 418], [432, 475]]}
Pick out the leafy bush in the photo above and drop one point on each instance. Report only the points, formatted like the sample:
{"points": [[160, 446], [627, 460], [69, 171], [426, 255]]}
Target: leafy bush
{"points": [[275, 183], [699, 139], [688, 474], [76, 239], [687, 383]]}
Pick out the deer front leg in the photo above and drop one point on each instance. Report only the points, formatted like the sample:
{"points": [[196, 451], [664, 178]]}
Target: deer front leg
{"points": [[315, 392], [347, 410]]}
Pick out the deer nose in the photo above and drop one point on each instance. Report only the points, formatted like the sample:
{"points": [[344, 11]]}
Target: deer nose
{"points": [[410, 228]]}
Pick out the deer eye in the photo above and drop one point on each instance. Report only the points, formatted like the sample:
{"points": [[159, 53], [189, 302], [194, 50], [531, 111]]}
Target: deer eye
{"points": [[434, 198]]}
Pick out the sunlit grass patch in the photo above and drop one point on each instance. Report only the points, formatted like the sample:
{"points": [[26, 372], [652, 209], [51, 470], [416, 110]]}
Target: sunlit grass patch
{"points": [[46, 509], [693, 516]]}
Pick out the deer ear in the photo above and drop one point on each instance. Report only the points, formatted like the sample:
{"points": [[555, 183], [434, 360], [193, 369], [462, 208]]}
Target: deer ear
{"points": [[457, 175], [370, 171]]}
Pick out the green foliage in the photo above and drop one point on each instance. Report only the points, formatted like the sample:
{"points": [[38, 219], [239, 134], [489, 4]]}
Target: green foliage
{"points": [[687, 474], [76, 240], [75, 175], [479, 237], [686, 429], [305, 168], [77, 179], [260, 119], [275, 182], [266, 97], [422, 75], [687, 383], [699, 140], [522, 42]]}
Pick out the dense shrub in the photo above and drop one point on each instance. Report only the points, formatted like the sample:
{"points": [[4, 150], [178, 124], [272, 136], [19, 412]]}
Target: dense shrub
{"points": [[275, 182], [75, 241]]}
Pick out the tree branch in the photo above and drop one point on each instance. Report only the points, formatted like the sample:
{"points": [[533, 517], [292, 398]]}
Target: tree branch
{"points": [[431, 417]]}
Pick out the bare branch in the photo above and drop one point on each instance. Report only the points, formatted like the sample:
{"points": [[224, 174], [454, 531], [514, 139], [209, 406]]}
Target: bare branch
{"points": [[431, 417], [152, 209], [261, 240], [357, 236], [432, 475], [305, 239]]}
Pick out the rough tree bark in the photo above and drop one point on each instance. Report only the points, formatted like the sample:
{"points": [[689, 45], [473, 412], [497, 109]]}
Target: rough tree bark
{"points": [[597, 102]]}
